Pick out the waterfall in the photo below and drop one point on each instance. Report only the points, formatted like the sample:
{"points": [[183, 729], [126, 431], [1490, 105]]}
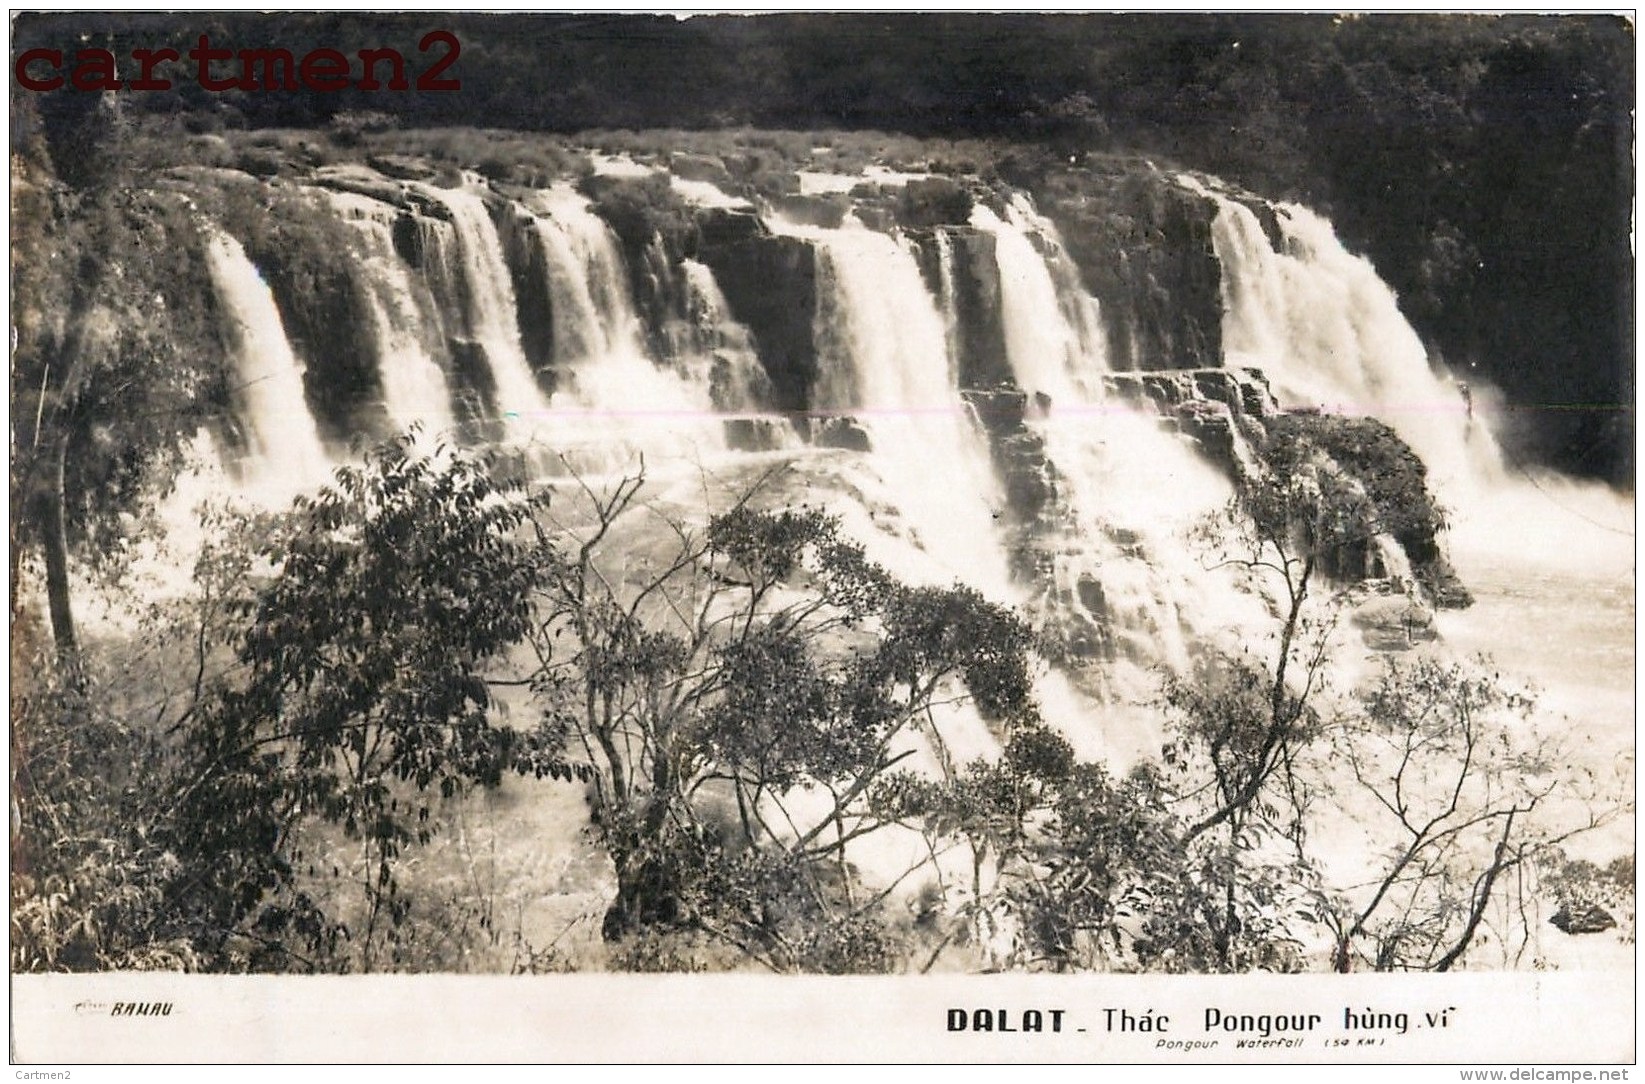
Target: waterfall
{"points": [[884, 362], [414, 384], [1133, 491], [949, 296], [283, 450], [613, 399], [738, 382], [1328, 333], [489, 306], [1053, 340], [588, 290]]}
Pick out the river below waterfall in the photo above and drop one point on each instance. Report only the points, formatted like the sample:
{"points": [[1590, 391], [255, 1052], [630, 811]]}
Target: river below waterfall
{"points": [[1551, 566]]}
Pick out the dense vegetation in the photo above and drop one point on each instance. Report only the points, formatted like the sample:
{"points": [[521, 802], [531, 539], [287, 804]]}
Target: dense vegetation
{"points": [[253, 779], [268, 767], [1482, 162]]}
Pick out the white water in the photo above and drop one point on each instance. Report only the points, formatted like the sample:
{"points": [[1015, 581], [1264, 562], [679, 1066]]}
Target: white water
{"points": [[883, 355], [719, 339], [284, 453], [414, 385], [1134, 490], [1551, 561], [1052, 331], [1328, 333], [612, 395], [491, 312]]}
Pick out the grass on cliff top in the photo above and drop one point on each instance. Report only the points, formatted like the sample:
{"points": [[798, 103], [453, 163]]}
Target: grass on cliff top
{"points": [[528, 157]]}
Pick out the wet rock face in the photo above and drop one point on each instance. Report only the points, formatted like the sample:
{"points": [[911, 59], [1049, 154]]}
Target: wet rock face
{"points": [[846, 433], [1144, 248], [1233, 417], [980, 327], [1239, 391], [326, 308], [969, 288], [1018, 453], [1396, 481], [530, 273], [770, 283]]}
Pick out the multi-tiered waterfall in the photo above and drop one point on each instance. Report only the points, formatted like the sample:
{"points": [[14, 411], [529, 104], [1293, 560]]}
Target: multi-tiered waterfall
{"points": [[979, 395]]}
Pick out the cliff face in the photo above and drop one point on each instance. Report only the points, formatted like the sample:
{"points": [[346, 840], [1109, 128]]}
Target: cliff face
{"points": [[771, 285], [1065, 335], [1144, 247]]}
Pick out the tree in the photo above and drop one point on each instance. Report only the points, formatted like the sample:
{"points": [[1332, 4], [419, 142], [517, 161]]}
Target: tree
{"points": [[1459, 776], [1240, 723], [1444, 751], [738, 693], [366, 657], [99, 760], [114, 368]]}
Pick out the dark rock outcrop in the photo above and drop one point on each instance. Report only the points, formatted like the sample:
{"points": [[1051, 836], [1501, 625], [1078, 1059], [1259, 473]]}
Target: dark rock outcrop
{"points": [[1143, 245], [770, 283], [535, 301], [700, 167], [402, 167], [827, 212], [1580, 918], [1396, 481], [845, 433], [934, 201]]}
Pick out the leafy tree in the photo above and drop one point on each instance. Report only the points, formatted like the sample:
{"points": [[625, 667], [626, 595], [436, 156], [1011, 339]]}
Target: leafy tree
{"points": [[1242, 725], [88, 876], [365, 693], [738, 701], [98, 757], [1459, 779], [114, 367]]}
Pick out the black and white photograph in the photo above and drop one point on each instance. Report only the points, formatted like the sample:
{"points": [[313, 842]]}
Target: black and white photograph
{"points": [[822, 536]]}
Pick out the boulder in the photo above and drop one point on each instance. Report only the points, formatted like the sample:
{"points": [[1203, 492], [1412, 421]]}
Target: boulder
{"points": [[1394, 623], [826, 212], [846, 433], [1580, 918], [700, 167], [934, 201], [724, 226], [402, 167]]}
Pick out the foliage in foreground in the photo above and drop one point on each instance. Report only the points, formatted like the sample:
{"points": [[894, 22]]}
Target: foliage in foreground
{"points": [[251, 783]]}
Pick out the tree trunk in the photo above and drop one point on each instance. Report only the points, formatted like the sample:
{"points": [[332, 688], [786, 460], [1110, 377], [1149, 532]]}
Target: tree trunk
{"points": [[647, 895], [1482, 897], [54, 541]]}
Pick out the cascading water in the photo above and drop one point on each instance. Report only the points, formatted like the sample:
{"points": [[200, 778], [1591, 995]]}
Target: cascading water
{"points": [[884, 361], [1110, 542], [284, 453], [723, 352], [414, 384], [949, 296], [490, 312], [1328, 333], [612, 398], [1133, 491], [1052, 333]]}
